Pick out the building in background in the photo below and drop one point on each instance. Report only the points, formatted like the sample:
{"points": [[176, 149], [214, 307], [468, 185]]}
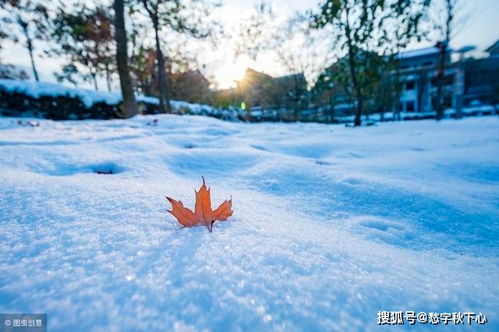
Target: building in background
{"points": [[417, 70], [467, 83], [493, 50], [481, 78], [266, 97]]}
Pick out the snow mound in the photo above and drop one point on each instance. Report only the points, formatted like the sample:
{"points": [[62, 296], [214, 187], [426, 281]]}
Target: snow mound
{"points": [[90, 97]]}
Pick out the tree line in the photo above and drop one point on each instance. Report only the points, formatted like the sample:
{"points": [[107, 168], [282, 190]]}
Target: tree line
{"points": [[363, 39], [95, 38]]}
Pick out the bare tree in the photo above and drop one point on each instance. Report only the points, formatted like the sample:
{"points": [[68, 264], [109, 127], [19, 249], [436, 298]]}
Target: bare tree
{"points": [[183, 16], [256, 33], [84, 35], [129, 104], [362, 27], [29, 16], [447, 15], [301, 52]]}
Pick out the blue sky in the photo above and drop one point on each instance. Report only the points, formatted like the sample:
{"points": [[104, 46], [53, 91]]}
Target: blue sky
{"points": [[480, 30]]}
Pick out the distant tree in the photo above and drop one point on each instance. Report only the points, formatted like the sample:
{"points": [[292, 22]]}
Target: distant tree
{"points": [[142, 58], [182, 16], [3, 35], [143, 69], [444, 21], [292, 92], [191, 86], [85, 34], [256, 33], [13, 72], [129, 107], [361, 27], [386, 95], [421, 83], [336, 85], [334, 77], [301, 52], [69, 71], [178, 65], [327, 92], [24, 20]]}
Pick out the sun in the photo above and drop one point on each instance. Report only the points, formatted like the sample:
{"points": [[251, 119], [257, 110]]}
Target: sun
{"points": [[229, 73]]}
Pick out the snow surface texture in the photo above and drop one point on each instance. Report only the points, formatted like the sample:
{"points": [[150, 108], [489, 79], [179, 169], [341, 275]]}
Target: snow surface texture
{"points": [[330, 224]]}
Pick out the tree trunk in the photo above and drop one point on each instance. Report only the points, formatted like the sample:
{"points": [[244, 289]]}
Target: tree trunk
{"points": [[35, 72], [94, 78], [164, 97], [398, 92], [129, 106], [357, 122], [421, 86], [108, 77], [332, 105], [443, 45], [357, 88], [29, 44], [353, 74], [440, 81]]}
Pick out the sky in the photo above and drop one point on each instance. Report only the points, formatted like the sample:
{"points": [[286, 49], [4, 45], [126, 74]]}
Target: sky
{"points": [[223, 67]]}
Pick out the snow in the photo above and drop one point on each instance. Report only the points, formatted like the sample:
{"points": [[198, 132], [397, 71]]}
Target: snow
{"points": [[90, 97], [419, 52], [39, 89], [194, 108], [330, 224]]}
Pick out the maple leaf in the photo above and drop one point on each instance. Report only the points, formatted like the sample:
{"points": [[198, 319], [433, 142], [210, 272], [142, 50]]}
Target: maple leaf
{"points": [[203, 215]]}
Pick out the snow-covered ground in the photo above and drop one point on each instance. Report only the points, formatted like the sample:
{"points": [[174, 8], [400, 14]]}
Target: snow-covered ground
{"points": [[90, 97], [330, 224]]}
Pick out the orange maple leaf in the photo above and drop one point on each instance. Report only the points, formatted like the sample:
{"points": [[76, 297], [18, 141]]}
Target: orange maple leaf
{"points": [[203, 214]]}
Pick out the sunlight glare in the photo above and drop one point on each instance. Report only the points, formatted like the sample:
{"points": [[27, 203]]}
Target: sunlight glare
{"points": [[228, 74]]}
